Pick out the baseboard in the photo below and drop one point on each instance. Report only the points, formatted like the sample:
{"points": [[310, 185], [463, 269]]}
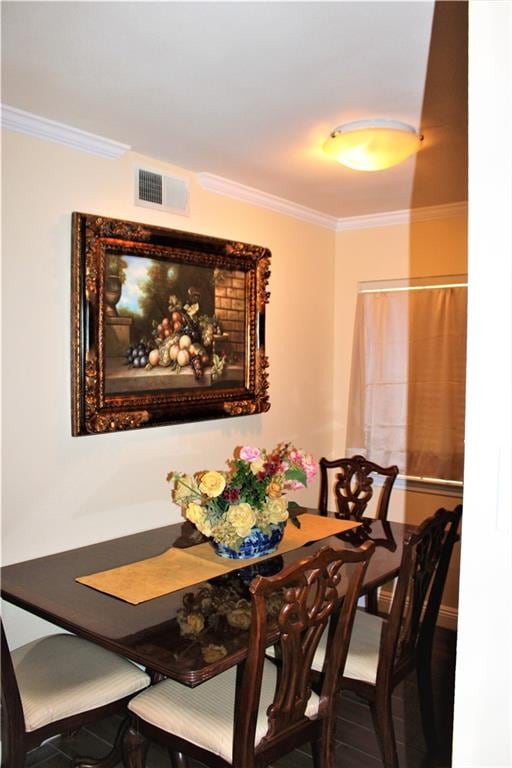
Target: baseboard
{"points": [[447, 617]]}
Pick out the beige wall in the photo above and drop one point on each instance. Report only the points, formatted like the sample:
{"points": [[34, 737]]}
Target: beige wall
{"points": [[418, 249], [61, 492]]}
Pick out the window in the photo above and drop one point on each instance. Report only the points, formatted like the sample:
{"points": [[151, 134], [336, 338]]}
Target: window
{"points": [[408, 376]]}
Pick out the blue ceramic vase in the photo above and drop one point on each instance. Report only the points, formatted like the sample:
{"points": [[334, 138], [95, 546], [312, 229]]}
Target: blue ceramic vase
{"points": [[256, 544]]}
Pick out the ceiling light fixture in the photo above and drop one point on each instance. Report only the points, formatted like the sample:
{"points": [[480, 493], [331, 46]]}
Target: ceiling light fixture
{"points": [[372, 145]]}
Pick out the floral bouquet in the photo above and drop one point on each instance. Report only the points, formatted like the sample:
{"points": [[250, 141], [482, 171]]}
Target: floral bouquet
{"points": [[244, 510]]}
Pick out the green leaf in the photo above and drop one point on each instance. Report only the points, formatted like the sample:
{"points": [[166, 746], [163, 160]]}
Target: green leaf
{"points": [[295, 473], [295, 521], [293, 505]]}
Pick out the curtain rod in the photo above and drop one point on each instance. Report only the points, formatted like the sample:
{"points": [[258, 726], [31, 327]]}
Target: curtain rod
{"points": [[413, 288]]}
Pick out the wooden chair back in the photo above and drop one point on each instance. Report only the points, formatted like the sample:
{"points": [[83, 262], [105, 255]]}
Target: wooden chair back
{"points": [[13, 720], [353, 487], [419, 590], [309, 595]]}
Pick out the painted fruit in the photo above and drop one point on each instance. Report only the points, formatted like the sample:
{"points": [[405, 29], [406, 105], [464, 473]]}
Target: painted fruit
{"points": [[154, 357], [165, 322], [174, 351], [185, 341], [183, 358]]}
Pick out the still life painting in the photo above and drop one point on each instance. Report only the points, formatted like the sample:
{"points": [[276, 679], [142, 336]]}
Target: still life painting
{"points": [[172, 325], [167, 326]]}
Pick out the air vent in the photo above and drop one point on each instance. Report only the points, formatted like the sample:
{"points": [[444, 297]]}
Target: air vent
{"points": [[154, 190], [150, 187]]}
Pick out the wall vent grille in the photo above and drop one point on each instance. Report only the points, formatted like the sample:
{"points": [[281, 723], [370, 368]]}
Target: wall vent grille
{"points": [[155, 190], [150, 187]]}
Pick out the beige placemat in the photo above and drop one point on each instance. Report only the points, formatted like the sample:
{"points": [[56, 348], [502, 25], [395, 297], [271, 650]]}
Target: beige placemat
{"points": [[181, 568]]}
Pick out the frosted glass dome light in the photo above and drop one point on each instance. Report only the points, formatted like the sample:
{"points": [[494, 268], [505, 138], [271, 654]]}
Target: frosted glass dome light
{"points": [[372, 145]]}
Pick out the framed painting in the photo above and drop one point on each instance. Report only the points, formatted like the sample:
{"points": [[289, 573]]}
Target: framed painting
{"points": [[166, 326]]}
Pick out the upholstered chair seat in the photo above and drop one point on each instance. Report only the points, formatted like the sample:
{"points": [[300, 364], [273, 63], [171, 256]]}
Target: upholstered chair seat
{"points": [[205, 715], [63, 675], [363, 651]]}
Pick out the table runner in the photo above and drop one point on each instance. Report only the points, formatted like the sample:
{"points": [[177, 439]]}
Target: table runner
{"points": [[178, 569]]}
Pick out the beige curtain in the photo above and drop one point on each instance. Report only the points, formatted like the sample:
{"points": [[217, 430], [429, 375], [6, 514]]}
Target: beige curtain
{"points": [[408, 379]]}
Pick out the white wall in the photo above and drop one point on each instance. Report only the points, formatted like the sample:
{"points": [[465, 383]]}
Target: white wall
{"points": [[483, 689], [61, 492]]}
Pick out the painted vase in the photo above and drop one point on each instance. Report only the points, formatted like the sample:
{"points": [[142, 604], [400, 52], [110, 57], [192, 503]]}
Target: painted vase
{"points": [[256, 544], [113, 290]]}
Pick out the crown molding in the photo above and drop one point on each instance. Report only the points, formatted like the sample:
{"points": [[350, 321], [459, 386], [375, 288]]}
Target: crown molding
{"points": [[405, 216], [245, 194], [241, 192], [33, 125], [41, 127]]}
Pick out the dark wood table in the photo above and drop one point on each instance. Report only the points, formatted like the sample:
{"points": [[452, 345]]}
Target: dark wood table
{"points": [[149, 633]]}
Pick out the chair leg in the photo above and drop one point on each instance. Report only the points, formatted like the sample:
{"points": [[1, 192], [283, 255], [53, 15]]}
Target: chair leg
{"points": [[178, 759], [382, 716], [135, 747], [372, 602], [322, 749], [114, 756], [15, 757], [424, 677]]}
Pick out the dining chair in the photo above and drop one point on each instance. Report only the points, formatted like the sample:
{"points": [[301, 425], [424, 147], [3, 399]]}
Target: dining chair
{"points": [[249, 715], [353, 490], [383, 651], [353, 487], [57, 684]]}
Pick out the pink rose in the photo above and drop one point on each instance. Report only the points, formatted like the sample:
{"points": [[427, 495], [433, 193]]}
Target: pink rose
{"points": [[249, 454], [310, 466]]}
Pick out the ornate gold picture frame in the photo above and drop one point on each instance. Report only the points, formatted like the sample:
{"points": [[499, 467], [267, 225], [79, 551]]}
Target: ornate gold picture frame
{"points": [[166, 326]]}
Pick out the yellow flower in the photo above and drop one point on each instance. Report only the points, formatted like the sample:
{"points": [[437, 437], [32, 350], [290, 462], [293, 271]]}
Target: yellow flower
{"points": [[257, 466], [196, 515], [205, 527], [242, 517], [274, 490], [277, 510], [212, 484]]}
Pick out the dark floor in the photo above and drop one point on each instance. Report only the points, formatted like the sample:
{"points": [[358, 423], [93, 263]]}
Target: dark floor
{"points": [[356, 741]]}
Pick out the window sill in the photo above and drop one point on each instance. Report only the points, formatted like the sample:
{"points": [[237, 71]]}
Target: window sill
{"points": [[435, 486]]}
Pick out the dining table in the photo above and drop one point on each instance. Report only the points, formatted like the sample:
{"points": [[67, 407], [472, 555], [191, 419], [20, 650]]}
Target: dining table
{"points": [[154, 633]]}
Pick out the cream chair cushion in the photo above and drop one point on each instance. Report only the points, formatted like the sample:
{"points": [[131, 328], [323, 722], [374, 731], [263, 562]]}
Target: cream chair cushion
{"points": [[363, 651], [63, 675], [205, 715]]}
